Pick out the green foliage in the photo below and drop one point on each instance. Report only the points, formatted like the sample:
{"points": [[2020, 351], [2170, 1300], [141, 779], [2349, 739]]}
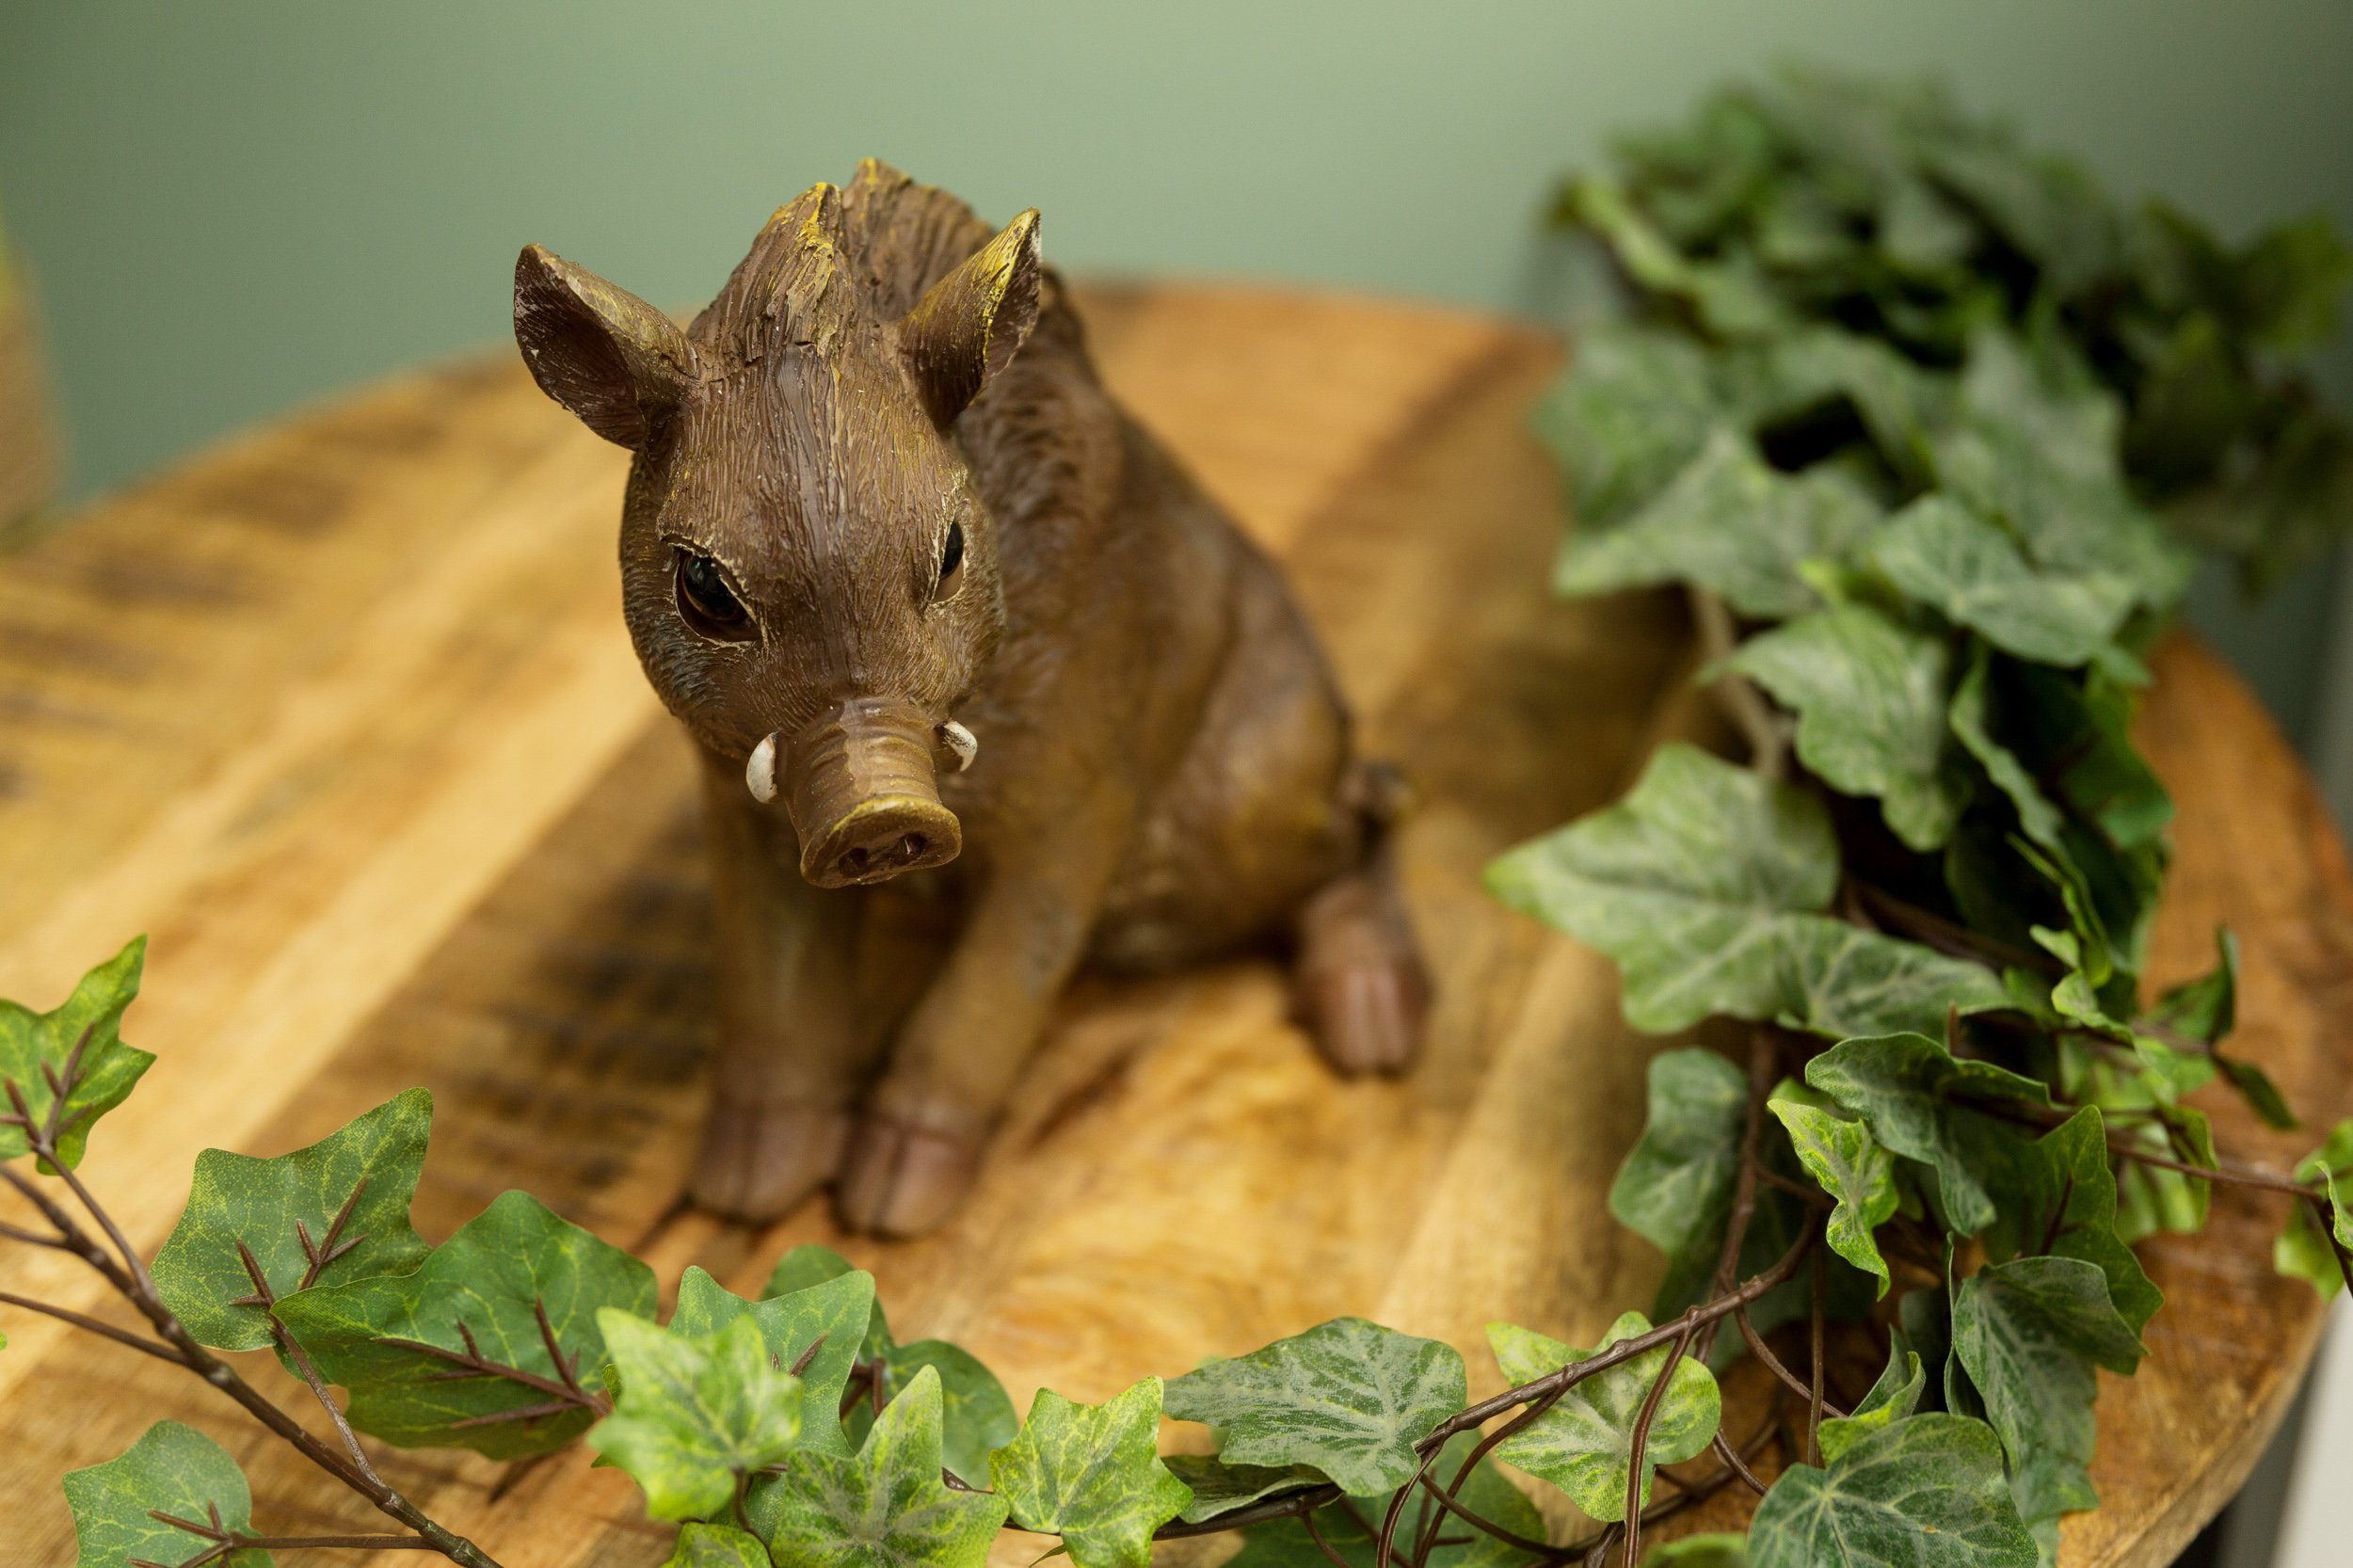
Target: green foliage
{"points": [[2029, 1333], [2308, 1249], [1851, 1166], [173, 1470], [1348, 1398], [1924, 1103], [1707, 885], [696, 1415], [718, 1546], [884, 1507], [335, 1211], [1926, 1492], [493, 1295], [1895, 1396], [1091, 1474], [817, 1329], [1286, 1543], [1218, 1487], [1584, 1443], [75, 1052]]}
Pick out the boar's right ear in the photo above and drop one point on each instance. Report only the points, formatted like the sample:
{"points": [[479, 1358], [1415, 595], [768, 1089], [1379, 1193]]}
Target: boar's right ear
{"points": [[598, 350]]}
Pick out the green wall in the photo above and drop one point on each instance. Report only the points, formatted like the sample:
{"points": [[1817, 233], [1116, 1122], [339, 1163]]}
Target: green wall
{"points": [[233, 205]]}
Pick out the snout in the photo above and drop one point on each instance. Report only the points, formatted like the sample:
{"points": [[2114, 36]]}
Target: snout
{"points": [[863, 797]]}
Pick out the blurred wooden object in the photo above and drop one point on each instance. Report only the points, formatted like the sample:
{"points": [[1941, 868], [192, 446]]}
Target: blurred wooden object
{"points": [[343, 714], [28, 438]]}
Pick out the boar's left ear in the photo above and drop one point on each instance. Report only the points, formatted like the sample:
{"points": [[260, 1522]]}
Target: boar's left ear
{"points": [[598, 350], [971, 323]]}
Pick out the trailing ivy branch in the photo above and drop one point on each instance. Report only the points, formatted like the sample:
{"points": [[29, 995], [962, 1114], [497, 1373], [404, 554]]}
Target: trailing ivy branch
{"points": [[1917, 422]]}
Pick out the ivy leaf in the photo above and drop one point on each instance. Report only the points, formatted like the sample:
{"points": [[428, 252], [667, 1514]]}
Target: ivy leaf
{"points": [[335, 1211], [1870, 697], [1923, 1493], [1972, 721], [1676, 1187], [1729, 522], [174, 1470], [1218, 1487], [2206, 1008], [77, 1047], [696, 1415], [2063, 1204], [1734, 301], [394, 1341], [1850, 1166], [2029, 1333], [1941, 553], [885, 1507], [810, 1265], [2150, 1198], [824, 1322], [1634, 408], [1909, 1091], [1721, 1550], [2074, 733], [1893, 1398], [1348, 1397], [2303, 1249], [979, 1414], [1705, 884], [717, 1546], [1584, 1443], [1091, 1474]]}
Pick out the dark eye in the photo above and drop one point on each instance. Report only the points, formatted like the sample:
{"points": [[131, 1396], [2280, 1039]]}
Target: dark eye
{"points": [[952, 554], [706, 602]]}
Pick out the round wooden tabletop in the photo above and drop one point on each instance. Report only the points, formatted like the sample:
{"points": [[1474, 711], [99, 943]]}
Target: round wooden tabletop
{"points": [[343, 715]]}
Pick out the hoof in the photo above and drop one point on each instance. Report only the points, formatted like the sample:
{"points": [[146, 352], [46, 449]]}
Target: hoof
{"points": [[1360, 987], [900, 1179], [759, 1161]]}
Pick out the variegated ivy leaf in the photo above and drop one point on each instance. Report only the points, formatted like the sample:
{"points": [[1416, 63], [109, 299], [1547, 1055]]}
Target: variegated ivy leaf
{"points": [[1730, 293], [2303, 1249], [1922, 1493], [1919, 1100], [175, 1471], [811, 1264], [1218, 1487], [489, 1300], [2029, 1333], [1705, 884], [1584, 1443], [1348, 1397], [1850, 1166], [814, 1331], [77, 1047], [1091, 1475], [886, 1506], [2206, 1008], [1941, 553], [1729, 522], [1634, 408], [1870, 697], [1893, 1398], [2061, 1199], [333, 1212], [696, 1415], [1676, 1187], [1972, 721], [717, 1546]]}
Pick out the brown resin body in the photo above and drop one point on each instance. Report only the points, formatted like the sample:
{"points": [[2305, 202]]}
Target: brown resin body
{"points": [[881, 506]]}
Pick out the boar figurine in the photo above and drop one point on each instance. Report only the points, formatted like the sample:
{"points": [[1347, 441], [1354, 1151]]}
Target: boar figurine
{"points": [[936, 612]]}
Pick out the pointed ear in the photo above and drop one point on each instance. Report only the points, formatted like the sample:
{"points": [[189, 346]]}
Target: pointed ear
{"points": [[598, 350], [971, 323]]}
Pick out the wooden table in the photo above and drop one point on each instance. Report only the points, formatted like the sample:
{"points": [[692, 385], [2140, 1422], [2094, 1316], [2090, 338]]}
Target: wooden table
{"points": [[344, 715]]}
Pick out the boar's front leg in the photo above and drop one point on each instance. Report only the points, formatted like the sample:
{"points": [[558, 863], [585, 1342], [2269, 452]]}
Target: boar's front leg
{"points": [[915, 1153], [790, 1051]]}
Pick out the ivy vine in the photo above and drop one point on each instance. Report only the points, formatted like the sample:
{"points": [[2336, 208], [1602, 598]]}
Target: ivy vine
{"points": [[1920, 422]]}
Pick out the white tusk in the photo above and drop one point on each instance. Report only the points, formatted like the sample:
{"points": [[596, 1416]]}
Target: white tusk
{"points": [[960, 741], [760, 772]]}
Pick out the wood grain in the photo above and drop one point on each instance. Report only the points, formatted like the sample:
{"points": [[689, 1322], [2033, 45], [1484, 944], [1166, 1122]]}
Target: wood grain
{"points": [[344, 715]]}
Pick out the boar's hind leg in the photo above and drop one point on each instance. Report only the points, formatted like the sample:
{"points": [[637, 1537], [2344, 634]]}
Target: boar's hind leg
{"points": [[915, 1154], [790, 1046], [1359, 985]]}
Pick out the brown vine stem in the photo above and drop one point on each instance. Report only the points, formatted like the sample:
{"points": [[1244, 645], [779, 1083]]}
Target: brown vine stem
{"points": [[1765, 731], [1633, 1548], [131, 1280]]}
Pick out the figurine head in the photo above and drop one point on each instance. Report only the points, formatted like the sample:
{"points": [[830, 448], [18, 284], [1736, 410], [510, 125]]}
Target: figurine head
{"points": [[809, 570]]}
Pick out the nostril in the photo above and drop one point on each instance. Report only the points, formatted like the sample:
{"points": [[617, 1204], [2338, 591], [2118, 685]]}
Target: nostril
{"points": [[911, 848], [854, 862]]}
